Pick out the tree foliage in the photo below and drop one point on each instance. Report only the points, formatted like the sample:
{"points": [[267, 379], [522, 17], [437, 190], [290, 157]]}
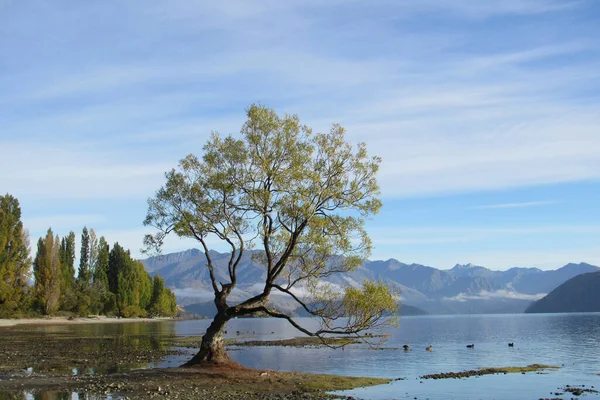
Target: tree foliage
{"points": [[102, 252], [133, 288], [48, 273], [163, 302], [14, 256], [299, 196], [130, 291], [84, 273], [67, 261], [93, 255]]}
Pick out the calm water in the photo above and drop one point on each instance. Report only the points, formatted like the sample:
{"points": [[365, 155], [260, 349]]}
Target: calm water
{"points": [[567, 340]]}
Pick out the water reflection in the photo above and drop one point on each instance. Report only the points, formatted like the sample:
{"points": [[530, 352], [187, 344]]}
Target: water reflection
{"points": [[161, 328], [87, 349]]}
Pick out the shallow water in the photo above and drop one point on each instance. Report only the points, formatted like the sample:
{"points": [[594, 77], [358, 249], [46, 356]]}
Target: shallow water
{"points": [[567, 340]]}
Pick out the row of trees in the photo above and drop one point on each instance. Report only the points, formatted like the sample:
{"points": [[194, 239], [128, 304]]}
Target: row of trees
{"points": [[108, 280]]}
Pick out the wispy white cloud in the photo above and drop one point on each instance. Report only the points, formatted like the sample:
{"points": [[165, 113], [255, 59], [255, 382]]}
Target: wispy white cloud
{"points": [[483, 9], [492, 295], [69, 172], [514, 205], [62, 222], [449, 234], [504, 60], [428, 240], [201, 295]]}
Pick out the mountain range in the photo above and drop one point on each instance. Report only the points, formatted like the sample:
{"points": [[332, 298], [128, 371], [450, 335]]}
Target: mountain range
{"points": [[578, 294], [463, 289]]}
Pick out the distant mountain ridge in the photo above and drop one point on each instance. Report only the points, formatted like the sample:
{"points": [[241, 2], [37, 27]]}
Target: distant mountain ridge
{"points": [[578, 294], [208, 309], [463, 289]]}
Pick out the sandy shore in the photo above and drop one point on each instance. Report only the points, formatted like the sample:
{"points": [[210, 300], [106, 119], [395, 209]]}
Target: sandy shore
{"points": [[65, 320]]}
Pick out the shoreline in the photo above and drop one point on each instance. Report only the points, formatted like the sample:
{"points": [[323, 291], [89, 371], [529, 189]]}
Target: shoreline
{"points": [[6, 323]]}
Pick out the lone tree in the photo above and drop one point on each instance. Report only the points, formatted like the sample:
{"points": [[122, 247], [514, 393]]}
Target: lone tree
{"points": [[301, 198]]}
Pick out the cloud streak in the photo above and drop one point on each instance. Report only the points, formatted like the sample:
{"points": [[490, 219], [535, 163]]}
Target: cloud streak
{"points": [[514, 205], [497, 294]]}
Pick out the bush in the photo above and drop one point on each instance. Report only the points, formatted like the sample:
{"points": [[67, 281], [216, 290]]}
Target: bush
{"points": [[133, 312]]}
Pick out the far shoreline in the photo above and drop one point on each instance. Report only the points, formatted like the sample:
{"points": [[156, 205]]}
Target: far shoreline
{"points": [[101, 319]]}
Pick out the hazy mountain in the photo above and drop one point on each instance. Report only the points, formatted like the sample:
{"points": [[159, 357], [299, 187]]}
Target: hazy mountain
{"points": [[544, 281], [578, 294], [463, 289], [208, 309]]}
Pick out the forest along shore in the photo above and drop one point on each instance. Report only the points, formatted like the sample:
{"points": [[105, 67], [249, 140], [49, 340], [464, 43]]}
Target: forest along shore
{"points": [[101, 363]]}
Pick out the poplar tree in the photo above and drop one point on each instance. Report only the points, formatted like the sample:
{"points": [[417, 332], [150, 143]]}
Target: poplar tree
{"points": [[14, 256], [163, 301], [100, 274], [118, 258], [67, 263], [48, 273], [93, 253], [67, 259], [83, 274]]}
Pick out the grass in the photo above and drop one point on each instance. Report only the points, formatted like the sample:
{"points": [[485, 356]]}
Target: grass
{"points": [[322, 383], [529, 368], [490, 371]]}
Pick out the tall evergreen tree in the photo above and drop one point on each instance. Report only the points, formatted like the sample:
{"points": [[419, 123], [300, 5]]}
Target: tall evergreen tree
{"points": [[158, 286], [117, 262], [93, 246], [101, 264], [84, 258], [163, 301], [14, 256], [144, 285], [129, 282], [67, 263], [48, 273]]}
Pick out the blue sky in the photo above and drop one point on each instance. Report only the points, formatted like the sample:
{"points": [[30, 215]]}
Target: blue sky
{"points": [[486, 113]]}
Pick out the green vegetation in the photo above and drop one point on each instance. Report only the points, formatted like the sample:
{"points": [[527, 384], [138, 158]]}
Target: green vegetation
{"points": [[529, 368], [490, 371], [14, 258], [302, 198], [47, 272], [109, 281], [329, 383]]}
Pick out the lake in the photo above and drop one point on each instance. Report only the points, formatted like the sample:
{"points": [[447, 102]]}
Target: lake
{"points": [[567, 340], [571, 341]]}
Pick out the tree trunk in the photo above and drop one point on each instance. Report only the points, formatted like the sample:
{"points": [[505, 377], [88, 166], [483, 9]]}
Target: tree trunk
{"points": [[212, 349]]}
